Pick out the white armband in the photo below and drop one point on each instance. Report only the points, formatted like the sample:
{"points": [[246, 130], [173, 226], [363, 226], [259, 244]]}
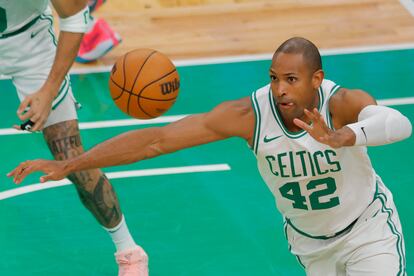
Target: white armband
{"points": [[77, 23], [379, 125]]}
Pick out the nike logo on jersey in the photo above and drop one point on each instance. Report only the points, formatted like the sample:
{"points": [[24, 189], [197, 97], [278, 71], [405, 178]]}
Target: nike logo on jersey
{"points": [[362, 128], [267, 140], [33, 34]]}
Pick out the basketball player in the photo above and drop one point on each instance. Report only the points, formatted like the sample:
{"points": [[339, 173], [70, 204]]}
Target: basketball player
{"points": [[310, 137], [38, 65]]}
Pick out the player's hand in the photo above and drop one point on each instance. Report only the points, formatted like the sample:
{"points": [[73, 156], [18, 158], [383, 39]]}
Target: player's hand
{"points": [[39, 105], [320, 131], [54, 170]]}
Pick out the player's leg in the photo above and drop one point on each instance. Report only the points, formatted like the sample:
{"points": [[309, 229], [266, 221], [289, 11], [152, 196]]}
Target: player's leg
{"points": [[316, 256], [97, 194], [381, 250], [30, 70]]}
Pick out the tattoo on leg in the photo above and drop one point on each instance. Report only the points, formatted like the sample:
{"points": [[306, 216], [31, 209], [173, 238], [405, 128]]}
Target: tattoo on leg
{"points": [[101, 200], [94, 189], [61, 146]]}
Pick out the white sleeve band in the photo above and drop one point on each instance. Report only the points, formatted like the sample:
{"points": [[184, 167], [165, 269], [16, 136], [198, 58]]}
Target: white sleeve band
{"points": [[379, 125], [77, 23]]}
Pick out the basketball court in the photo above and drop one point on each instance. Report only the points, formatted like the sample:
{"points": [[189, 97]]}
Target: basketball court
{"points": [[202, 211]]}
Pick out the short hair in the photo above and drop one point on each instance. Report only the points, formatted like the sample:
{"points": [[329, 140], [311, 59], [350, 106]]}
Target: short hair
{"points": [[300, 45]]}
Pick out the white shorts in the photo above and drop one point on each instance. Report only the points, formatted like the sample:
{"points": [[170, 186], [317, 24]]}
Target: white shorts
{"points": [[27, 58], [373, 246]]}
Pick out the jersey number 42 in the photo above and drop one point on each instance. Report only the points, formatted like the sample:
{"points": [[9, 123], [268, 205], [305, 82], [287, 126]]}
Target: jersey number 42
{"points": [[291, 191]]}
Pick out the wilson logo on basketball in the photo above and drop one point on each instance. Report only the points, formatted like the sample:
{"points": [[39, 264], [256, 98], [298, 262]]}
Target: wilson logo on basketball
{"points": [[169, 87]]}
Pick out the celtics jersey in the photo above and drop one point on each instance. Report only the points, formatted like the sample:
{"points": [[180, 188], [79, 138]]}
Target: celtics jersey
{"points": [[14, 14], [319, 190]]}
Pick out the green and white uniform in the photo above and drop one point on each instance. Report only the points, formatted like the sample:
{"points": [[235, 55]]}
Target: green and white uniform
{"points": [[27, 51], [323, 194]]}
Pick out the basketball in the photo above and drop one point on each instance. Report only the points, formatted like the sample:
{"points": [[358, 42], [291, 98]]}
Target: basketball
{"points": [[144, 83]]}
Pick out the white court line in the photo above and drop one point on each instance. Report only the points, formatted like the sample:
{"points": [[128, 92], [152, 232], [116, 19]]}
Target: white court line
{"points": [[170, 119], [131, 122], [257, 57], [106, 124], [396, 101], [114, 175]]}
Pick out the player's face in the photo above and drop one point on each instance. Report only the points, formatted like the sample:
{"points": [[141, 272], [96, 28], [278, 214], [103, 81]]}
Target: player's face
{"points": [[294, 86]]}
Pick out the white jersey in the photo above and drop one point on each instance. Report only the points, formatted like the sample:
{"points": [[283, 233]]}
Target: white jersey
{"points": [[319, 190], [14, 14]]}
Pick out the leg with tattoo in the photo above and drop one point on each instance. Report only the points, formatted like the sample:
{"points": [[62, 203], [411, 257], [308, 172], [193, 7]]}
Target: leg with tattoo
{"points": [[97, 194], [94, 189]]}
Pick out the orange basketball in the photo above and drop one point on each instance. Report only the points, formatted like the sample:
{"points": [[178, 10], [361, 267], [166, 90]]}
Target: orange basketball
{"points": [[144, 83]]}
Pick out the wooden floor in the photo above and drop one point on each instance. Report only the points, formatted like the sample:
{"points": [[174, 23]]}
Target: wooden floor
{"points": [[203, 28]]}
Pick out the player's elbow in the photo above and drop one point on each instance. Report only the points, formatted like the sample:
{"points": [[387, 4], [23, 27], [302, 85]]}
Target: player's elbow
{"points": [[156, 145], [399, 127], [154, 149]]}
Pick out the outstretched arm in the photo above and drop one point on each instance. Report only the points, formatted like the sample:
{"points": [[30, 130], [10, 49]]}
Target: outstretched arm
{"points": [[358, 121], [76, 14], [233, 118]]}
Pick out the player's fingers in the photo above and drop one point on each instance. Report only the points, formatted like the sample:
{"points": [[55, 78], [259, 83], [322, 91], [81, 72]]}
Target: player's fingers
{"points": [[28, 168], [17, 172], [309, 114], [38, 125], [29, 114], [47, 177], [23, 105], [25, 172], [12, 172], [36, 117], [302, 124], [316, 114]]}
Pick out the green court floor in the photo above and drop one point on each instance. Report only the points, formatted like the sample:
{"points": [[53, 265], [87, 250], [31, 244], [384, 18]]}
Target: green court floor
{"points": [[195, 224]]}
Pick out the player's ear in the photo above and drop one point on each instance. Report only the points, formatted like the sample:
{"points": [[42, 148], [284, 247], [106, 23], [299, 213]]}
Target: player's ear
{"points": [[317, 78]]}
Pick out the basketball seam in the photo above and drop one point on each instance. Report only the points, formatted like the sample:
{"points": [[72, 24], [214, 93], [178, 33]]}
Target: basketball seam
{"points": [[124, 75], [123, 90], [136, 77], [130, 92], [142, 109], [113, 81], [159, 100]]}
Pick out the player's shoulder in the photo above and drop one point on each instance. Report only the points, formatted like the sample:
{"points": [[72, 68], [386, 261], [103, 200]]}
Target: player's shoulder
{"points": [[346, 96], [239, 107], [345, 105], [232, 118]]}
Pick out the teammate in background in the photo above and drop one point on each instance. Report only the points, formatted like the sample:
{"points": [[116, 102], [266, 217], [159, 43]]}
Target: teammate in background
{"points": [[99, 37], [38, 65], [309, 136]]}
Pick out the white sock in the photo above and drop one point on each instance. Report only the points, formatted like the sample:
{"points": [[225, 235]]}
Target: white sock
{"points": [[121, 237]]}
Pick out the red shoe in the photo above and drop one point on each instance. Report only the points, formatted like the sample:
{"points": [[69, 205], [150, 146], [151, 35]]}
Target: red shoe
{"points": [[97, 42], [132, 262]]}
